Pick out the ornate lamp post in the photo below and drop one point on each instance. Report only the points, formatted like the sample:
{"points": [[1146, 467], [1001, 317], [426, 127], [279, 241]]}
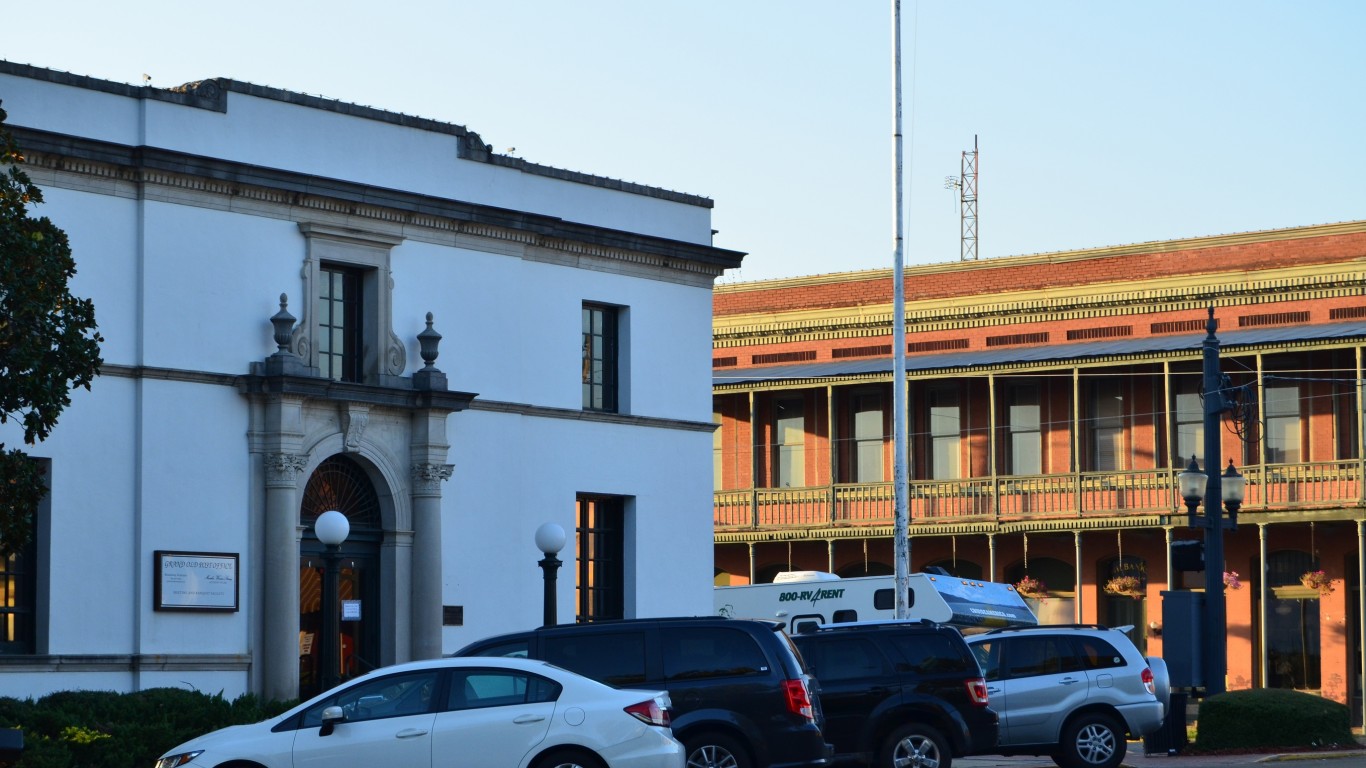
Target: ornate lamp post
{"points": [[331, 528], [1195, 485], [550, 540]]}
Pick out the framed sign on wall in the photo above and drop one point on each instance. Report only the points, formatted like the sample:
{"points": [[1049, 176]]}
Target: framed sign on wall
{"points": [[195, 581]]}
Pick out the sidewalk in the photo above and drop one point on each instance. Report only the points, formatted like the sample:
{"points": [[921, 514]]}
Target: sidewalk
{"points": [[1136, 759]]}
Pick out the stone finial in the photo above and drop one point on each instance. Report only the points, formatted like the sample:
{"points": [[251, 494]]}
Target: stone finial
{"points": [[284, 324], [428, 341]]}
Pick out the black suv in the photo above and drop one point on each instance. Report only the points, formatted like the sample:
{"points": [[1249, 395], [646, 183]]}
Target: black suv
{"points": [[899, 693], [741, 695]]}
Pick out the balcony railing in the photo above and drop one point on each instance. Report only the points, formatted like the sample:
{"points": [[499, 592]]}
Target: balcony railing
{"points": [[1270, 488]]}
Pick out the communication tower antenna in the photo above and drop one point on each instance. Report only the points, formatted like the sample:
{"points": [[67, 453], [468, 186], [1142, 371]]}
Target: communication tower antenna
{"points": [[967, 211]]}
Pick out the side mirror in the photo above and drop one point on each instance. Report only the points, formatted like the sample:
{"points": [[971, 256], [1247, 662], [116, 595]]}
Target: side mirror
{"points": [[331, 716]]}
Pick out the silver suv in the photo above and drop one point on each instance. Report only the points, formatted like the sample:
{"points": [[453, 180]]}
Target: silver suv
{"points": [[1071, 692]]}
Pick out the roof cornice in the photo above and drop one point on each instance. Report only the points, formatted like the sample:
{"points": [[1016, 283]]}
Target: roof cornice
{"points": [[1055, 257]]}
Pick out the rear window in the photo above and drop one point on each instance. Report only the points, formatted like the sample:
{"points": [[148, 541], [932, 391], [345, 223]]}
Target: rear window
{"points": [[836, 659], [702, 652], [1097, 654], [615, 658], [512, 649], [930, 654]]}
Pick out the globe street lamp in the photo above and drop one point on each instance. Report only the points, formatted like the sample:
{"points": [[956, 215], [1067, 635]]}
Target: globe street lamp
{"points": [[331, 528], [550, 540]]}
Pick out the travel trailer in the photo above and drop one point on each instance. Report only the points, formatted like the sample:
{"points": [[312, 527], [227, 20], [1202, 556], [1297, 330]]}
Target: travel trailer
{"points": [[797, 598]]}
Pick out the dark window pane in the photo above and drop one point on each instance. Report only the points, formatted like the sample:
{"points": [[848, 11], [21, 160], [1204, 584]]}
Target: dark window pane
{"points": [[691, 654], [615, 659], [929, 654]]}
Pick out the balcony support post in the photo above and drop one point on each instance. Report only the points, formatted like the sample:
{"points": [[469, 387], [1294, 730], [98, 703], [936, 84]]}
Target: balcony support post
{"points": [[1361, 465], [1076, 439]]}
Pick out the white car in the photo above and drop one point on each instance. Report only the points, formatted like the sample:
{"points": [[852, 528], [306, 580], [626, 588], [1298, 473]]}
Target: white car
{"points": [[454, 711]]}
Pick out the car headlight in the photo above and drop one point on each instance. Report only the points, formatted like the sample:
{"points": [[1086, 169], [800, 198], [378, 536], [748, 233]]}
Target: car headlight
{"points": [[175, 761]]}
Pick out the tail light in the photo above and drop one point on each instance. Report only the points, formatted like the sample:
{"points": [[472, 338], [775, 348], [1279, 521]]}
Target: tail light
{"points": [[652, 711], [799, 698], [1148, 681], [977, 691]]}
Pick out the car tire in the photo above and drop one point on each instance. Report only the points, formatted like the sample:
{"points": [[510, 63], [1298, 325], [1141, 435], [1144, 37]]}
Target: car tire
{"points": [[915, 746], [715, 750], [1091, 741], [569, 758]]}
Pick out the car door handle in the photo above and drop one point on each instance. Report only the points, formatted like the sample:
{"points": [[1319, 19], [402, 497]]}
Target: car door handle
{"points": [[528, 719], [992, 691], [1068, 681], [410, 733]]}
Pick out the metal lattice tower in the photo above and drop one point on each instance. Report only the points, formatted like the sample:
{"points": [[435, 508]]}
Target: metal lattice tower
{"points": [[967, 216]]}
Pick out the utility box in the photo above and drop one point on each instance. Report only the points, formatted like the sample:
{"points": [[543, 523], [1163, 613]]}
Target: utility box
{"points": [[1183, 636], [11, 746]]}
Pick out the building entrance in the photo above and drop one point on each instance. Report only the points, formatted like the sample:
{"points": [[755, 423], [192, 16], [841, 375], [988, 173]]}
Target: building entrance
{"points": [[340, 483]]}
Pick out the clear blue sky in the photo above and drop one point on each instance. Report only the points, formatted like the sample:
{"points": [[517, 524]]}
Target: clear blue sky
{"points": [[1100, 123]]}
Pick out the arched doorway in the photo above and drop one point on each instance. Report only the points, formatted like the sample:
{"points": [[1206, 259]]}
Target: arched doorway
{"points": [[1123, 596], [342, 484], [1061, 581]]}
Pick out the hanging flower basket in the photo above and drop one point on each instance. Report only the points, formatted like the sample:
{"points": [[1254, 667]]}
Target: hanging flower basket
{"points": [[1317, 580], [1231, 580], [1128, 586], [1032, 587]]}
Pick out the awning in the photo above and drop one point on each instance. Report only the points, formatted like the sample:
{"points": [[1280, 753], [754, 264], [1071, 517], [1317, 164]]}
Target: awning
{"points": [[1042, 353]]}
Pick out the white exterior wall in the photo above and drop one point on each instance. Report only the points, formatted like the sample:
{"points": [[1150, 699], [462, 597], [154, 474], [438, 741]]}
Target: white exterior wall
{"points": [[380, 154], [184, 283]]}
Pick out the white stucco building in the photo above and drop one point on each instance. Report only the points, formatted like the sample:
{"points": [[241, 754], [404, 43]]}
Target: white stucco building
{"points": [[571, 385]]}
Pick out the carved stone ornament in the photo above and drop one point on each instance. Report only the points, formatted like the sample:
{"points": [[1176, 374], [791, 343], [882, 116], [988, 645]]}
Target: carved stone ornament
{"points": [[427, 477], [283, 468], [353, 421]]}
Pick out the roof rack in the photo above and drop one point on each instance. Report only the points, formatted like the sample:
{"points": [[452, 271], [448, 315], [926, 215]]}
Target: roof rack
{"points": [[810, 627], [1046, 626]]}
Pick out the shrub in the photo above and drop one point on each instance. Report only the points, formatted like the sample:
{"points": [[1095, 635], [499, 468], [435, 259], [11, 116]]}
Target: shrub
{"points": [[1272, 717], [102, 729]]}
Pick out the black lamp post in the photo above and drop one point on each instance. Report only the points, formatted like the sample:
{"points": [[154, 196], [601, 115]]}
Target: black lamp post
{"points": [[331, 528], [550, 540], [1195, 485]]}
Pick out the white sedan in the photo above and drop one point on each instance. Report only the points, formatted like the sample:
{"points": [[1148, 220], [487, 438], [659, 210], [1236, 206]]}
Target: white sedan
{"points": [[454, 712]]}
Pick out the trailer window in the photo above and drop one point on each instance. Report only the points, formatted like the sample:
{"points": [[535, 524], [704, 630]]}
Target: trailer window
{"points": [[885, 599]]}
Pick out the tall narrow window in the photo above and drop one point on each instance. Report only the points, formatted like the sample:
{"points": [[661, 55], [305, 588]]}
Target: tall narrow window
{"points": [[18, 592], [789, 450], [1026, 438], [1190, 424], [339, 323], [1282, 424], [1107, 427], [1347, 420], [945, 435], [868, 438], [599, 358], [599, 554]]}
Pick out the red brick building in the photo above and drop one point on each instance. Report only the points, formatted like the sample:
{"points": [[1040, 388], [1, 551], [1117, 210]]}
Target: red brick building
{"points": [[1052, 399]]}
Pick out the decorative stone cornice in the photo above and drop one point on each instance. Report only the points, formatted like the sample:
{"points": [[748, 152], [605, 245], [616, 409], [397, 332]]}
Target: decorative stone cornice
{"points": [[282, 469], [163, 175], [1090, 301], [427, 478]]}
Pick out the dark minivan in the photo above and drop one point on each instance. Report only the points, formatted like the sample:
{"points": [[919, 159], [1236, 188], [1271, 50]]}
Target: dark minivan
{"points": [[741, 695]]}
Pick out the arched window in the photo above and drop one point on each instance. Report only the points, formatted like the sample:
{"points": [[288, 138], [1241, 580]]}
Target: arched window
{"points": [[1292, 623], [339, 483]]}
